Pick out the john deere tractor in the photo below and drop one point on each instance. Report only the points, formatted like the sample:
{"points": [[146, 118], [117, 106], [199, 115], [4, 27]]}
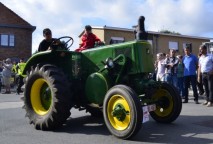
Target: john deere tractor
{"points": [[111, 81]]}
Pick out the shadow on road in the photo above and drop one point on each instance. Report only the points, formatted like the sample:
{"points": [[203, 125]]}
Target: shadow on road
{"points": [[86, 124], [187, 129]]}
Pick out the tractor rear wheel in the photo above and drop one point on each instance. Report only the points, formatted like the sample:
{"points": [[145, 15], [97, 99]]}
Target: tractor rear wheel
{"points": [[168, 104], [47, 97], [122, 112]]}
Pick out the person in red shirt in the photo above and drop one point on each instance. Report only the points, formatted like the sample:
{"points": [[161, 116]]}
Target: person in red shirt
{"points": [[88, 39]]}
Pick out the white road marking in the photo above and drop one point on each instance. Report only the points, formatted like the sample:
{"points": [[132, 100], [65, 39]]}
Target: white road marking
{"points": [[8, 105]]}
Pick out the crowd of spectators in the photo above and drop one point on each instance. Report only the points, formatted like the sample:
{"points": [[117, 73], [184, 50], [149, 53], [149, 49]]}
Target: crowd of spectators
{"points": [[183, 71], [11, 75]]}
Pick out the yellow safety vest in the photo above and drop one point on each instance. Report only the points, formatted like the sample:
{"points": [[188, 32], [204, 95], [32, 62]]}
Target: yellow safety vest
{"points": [[21, 68], [14, 69]]}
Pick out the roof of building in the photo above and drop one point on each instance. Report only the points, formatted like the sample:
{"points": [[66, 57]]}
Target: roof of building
{"points": [[150, 32], [25, 24]]}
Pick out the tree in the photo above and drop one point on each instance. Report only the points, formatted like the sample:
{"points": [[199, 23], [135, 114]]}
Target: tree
{"points": [[169, 32]]}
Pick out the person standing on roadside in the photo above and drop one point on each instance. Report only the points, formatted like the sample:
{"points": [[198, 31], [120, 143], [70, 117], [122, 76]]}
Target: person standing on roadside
{"points": [[20, 67], [180, 77], [160, 67], [200, 84], [206, 69], [6, 73], [190, 63], [171, 68]]}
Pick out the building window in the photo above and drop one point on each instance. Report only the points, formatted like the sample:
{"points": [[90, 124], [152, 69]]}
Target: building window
{"points": [[115, 40], [173, 45], [7, 40], [12, 40]]}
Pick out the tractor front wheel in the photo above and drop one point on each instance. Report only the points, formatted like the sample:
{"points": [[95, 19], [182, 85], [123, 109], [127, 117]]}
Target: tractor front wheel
{"points": [[122, 112]]}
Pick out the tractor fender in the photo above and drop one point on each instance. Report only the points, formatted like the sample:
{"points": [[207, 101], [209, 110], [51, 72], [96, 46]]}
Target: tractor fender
{"points": [[96, 87], [34, 60], [47, 57]]}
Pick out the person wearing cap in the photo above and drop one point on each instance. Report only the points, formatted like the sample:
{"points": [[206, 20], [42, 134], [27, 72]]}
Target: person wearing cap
{"points": [[46, 42], [88, 39], [6, 73]]}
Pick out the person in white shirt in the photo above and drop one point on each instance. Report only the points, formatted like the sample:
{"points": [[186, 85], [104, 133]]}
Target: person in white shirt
{"points": [[6, 73], [206, 68], [160, 67]]}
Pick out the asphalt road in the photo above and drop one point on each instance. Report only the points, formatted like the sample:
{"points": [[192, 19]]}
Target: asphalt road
{"points": [[194, 126]]}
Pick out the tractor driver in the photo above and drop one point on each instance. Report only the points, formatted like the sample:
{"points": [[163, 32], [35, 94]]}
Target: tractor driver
{"points": [[88, 39], [46, 42]]}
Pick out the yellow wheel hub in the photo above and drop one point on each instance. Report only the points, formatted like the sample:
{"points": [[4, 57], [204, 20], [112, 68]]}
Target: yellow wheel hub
{"points": [[165, 102], [41, 98], [118, 112]]}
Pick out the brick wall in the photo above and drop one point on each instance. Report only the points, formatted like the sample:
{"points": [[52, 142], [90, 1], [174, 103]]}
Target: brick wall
{"points": [[11, 23], [23, 43], [7, 16]]}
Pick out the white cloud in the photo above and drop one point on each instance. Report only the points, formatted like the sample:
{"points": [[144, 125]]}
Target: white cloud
{"points": [[66, 17]]}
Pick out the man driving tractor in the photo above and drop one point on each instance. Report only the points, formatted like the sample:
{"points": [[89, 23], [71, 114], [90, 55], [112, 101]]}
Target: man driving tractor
{"points": [[44, 45]]}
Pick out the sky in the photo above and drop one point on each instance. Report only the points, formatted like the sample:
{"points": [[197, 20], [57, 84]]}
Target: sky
{"points": [[68, 17]]}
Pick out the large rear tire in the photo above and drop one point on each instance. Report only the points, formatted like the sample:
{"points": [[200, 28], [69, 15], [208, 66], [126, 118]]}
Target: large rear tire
{"points": [[122, 112], [168, 104], [47, 97]]}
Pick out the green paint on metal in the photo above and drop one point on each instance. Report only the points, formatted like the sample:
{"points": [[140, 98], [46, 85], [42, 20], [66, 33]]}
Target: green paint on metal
{"points": [[119, 112], [62, 59], [143, 57], [137, 52], [121, 61], [96, 87], [45, 96], [83, 69]]}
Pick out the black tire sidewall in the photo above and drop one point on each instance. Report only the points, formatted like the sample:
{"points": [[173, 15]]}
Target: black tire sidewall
{"points": [[30, 111], [136, 112], [61, 103], [177, 105]]}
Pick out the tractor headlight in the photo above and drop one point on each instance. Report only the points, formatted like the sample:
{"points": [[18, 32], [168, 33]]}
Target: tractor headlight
{"points": [[109, 62]]}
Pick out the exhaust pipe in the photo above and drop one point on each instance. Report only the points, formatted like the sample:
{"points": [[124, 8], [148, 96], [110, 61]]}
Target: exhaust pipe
{"points": [[141, 34]]}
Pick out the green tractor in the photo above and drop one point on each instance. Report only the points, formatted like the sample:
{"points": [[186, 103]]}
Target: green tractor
{"points": [[112, 81]]}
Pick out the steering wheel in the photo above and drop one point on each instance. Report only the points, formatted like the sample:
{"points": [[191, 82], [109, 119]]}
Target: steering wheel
{"points": [[62, 44]]}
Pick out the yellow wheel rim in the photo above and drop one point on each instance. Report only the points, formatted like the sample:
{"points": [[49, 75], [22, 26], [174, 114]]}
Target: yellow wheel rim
{"points": [[41, 98], [166, 106], [114, 101]]}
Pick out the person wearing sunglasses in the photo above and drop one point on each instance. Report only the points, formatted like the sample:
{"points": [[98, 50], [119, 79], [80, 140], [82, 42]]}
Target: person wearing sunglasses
{"points": [[46, 42]]}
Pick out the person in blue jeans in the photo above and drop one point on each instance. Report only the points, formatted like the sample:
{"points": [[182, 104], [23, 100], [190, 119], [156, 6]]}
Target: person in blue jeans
{"points": [[190, 63], [171, 68], [180, 78]]}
